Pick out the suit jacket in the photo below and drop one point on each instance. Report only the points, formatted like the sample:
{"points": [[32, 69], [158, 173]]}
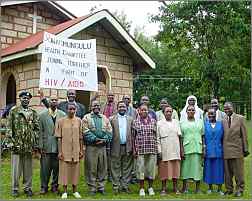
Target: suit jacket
{"points": [[235, 141], [115, 145], [47, 140]]}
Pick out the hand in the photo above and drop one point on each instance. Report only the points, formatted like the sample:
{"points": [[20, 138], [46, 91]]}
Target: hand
{"points": [[159, 157], [36, 153], [60, 156], [182, 155], [41, 93], [135, 155], [81, 154], [42, 151], [246, 153], [100, 141], [203, 152]]}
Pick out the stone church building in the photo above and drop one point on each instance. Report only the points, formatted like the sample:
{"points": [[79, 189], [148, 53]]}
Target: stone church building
{"points": [[22, 27]]}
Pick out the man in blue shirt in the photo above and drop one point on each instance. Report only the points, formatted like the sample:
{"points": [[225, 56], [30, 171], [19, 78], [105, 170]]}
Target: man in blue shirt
{"points": [[121, 149]]}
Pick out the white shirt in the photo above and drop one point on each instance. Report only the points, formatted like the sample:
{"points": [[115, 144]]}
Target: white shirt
{"points": [[122, 122]]}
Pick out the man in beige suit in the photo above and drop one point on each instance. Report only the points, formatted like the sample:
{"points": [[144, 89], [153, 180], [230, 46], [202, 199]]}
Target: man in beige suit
{"points": [[121, 149], [235, 147]]}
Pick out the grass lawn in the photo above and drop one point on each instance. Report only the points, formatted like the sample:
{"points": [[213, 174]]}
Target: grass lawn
{"points": [[5, 189]]}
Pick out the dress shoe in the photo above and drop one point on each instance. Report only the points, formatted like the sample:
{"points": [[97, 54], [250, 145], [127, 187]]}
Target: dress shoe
{"points": [[126, 190], [43, 191], [163, 192], [102, 192], [15, 193], [228, 193], [28, 193], [54, 189], [238, 194], [116, 191], [91, 193]]}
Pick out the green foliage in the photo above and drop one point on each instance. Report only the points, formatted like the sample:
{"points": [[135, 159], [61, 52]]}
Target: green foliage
{"points": [[207, 41]]}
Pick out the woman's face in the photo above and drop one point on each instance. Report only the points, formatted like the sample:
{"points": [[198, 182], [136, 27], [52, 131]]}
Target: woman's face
{"points": [[190, 111], [168, 113], [71, 110], [212, 115], [143, 112], [191, 101]]}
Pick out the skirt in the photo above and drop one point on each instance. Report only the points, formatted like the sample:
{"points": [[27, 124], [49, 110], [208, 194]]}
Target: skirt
{"points": [[69, 172], [169, 169], [191, 167], [213, 171]]}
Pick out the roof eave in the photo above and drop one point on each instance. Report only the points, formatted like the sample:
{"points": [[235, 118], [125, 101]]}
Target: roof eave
{"points": [[92, 19]]}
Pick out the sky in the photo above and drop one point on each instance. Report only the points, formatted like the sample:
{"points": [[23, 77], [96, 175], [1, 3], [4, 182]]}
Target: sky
{"points": [[136, 11]]}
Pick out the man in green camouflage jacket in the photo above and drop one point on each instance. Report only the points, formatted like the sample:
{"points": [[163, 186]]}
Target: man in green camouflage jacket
{"points": [[22, 137]]}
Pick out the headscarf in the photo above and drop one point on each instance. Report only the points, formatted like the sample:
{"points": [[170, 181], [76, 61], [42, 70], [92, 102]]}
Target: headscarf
{"points": [[198, 112]]}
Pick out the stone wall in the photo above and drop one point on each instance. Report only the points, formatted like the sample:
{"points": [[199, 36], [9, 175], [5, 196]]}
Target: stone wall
{"points": [[109, 53], [16, 24], [26, 73]]}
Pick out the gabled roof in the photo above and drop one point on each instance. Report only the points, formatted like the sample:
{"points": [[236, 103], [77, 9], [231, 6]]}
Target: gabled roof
{"points": [[34, 40], [58, 7], [32, 44]]}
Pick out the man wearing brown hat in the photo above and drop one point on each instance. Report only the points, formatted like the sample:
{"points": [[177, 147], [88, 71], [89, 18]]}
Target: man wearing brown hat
{"points": [[49, 163], [22, 137]]}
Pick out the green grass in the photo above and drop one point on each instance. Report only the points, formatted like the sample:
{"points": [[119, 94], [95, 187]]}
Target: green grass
{"points": [[82, 187]]}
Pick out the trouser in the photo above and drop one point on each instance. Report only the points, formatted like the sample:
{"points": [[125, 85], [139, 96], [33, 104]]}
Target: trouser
{"points": [[108, 159], [21, 164], [234, 167], [95, 166], [49, 165], [121, 167]]}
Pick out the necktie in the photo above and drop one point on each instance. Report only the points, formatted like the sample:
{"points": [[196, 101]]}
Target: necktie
{"points": [[229, 121]]}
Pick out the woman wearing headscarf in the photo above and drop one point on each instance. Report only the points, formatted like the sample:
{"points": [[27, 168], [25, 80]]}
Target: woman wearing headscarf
{"points": [[191, 100]]}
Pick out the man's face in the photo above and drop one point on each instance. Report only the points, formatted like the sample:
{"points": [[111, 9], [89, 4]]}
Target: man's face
{"points": [[126, 99], [25, 100], [212, 115], [145, 100], [163, 104], [110, 98], [214, 104], [96, 107], [168, 113], [191, 101], [71, 110], [71, 95], [190, 111], [228, 109], [122, 108], [54, 103], [143, 111]]}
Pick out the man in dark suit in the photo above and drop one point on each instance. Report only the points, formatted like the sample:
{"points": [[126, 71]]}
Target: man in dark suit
{"points": [[235, 147], [121, 149]]}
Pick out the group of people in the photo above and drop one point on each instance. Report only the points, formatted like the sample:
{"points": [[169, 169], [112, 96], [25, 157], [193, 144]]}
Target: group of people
{"points": [[121, 142]]}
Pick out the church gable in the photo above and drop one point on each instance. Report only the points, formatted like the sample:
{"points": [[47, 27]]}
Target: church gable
{"points": [[19, 21]]}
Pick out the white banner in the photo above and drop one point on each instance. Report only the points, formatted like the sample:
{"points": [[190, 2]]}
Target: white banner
{"points": [[68, 64]]}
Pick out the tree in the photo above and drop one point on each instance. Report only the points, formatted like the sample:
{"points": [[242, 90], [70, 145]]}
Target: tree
{"points": [[211, 41]]}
